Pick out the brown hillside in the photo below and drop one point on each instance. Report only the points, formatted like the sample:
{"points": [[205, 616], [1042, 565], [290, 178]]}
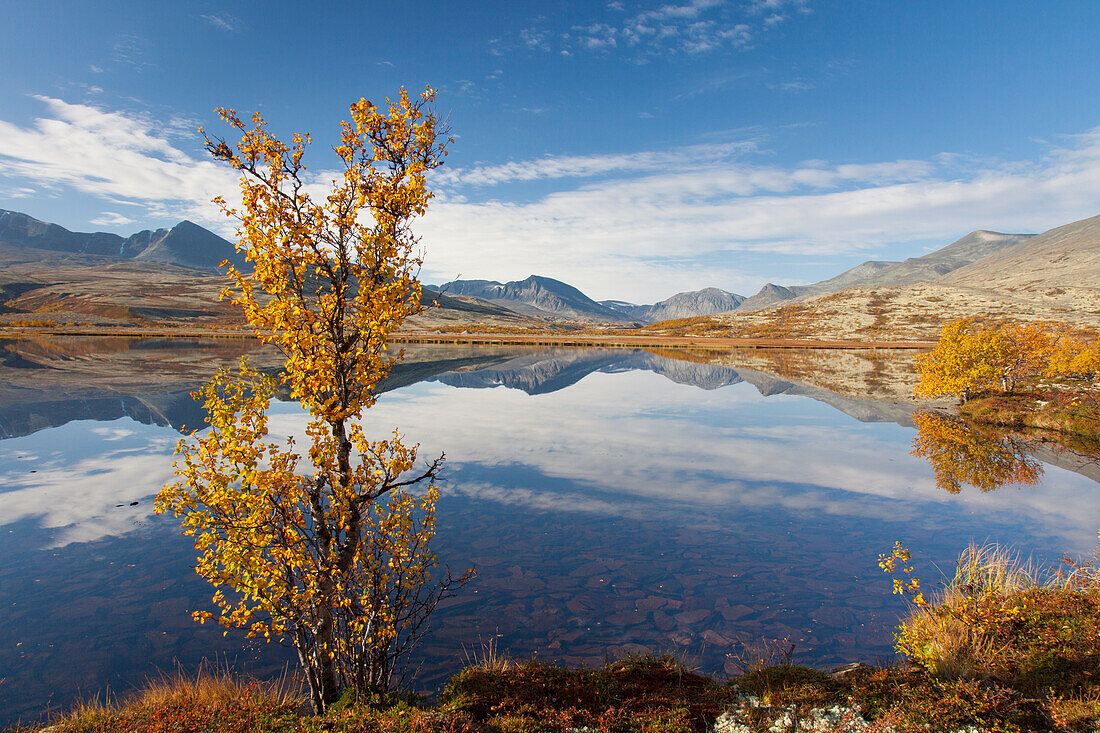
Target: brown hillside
{"points": [[1054, 266]]}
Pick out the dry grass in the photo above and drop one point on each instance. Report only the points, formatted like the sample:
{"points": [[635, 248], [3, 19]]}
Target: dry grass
{"points": [[216, 692], [1004, 617], [216, 688], [488, 658], [992, 569], [950, 640]]}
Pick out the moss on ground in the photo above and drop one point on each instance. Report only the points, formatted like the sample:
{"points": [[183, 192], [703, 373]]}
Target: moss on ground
{"points": [[1070, 409], [646, 695]]}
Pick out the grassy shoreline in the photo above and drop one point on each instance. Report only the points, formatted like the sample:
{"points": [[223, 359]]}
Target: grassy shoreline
{"points": [[581, 339], [1070, 409]]}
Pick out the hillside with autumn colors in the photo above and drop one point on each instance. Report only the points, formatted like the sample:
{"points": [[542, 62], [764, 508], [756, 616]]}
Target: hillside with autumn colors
{"points": [[168, 279]]}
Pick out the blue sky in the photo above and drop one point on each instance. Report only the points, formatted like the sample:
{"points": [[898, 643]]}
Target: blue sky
{"points": [[633, 149]]}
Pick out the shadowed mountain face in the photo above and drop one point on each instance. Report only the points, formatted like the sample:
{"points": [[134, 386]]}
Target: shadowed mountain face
{"points": [[705, 302], [544, 295], [185, 245], [431, 298]]}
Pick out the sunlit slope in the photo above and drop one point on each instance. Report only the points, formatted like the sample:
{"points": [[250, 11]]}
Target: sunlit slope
{"points": [[1053, 276], [1053, 265], [904, 313], [974, 246]]}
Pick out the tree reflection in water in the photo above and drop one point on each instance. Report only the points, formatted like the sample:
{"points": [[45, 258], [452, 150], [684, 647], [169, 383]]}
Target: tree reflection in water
{"points": [[961, 453]]}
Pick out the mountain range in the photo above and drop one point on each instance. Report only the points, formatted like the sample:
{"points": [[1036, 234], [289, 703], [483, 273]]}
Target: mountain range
{"points": [[172, 274], [185, 245], [535, 296], [546, 297]]}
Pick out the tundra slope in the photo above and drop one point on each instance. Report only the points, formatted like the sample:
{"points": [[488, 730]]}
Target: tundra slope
{"points": [[1053, 276]]}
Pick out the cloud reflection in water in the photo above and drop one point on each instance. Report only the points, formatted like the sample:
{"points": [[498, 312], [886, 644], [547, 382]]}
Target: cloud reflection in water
{"points": [[624, 444]]}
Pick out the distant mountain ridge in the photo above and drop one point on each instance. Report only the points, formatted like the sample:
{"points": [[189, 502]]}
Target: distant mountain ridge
{"points": [[976, 245], [47, 268], [1061, 258], [705, 302], [543, 294], [185, 245]]}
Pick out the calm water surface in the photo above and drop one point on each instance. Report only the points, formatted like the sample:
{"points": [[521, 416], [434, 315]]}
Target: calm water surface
{"points": [[613, 502]]}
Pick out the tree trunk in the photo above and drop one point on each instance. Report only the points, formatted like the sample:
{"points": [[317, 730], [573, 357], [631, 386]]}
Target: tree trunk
{"points": [[320, 674], [326, 669], [315, 699]]}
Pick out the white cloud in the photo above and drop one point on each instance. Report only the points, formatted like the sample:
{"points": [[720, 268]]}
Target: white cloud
{"points": [[637, 226], [683, 225], [222, 21], [116, 156], [111, 219]]}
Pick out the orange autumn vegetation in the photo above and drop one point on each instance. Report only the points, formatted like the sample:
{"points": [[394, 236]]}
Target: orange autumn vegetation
{"points": [[970, 356]]}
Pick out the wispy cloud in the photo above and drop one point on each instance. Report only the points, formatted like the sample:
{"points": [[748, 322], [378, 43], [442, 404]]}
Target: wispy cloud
{"points": [[111, 219], [116, 156], [130, 50], [587, 166], [795, 86], [222, 21], [692, 27], [18, 192], [637, 225]]}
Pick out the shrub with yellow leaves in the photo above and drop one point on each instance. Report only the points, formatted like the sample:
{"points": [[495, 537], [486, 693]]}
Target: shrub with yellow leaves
{"points": [[328, 552]]}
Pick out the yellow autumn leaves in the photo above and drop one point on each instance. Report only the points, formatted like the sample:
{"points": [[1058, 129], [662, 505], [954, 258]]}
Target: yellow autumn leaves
{"points": [[971, 356], [327, 552]]}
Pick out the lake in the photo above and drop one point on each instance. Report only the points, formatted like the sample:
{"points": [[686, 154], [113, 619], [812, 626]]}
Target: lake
{"points": [[614, 501]]}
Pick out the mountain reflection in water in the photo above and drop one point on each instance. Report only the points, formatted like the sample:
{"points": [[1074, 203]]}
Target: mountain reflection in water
{"points": [[613, 501]]}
